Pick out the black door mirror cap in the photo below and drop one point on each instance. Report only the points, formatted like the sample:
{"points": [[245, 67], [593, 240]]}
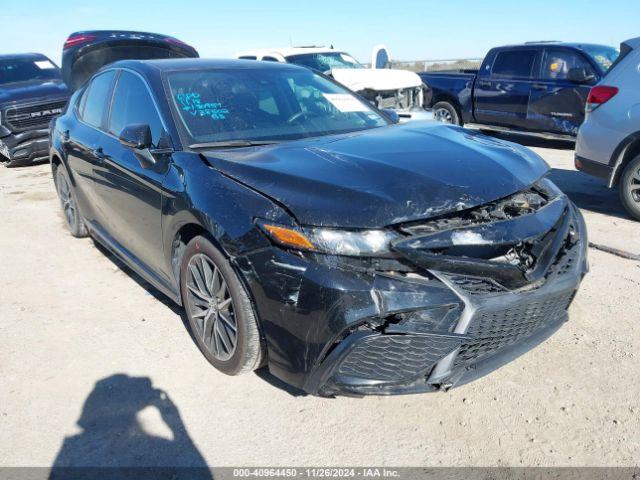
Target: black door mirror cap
{"points": [[136, 136]]}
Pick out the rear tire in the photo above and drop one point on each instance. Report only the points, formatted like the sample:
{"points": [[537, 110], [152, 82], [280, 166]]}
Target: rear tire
{"points": [[220, 313], [69, 203], [446, 113], [629, 188]]}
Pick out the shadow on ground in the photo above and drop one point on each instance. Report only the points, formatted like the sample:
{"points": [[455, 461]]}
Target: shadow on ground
{"points": [[114, 437], [531, 141]]}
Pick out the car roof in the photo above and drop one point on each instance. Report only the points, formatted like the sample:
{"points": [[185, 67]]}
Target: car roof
{"points": [[172, 64], [288, 51], [22, 56], [577, 45]]}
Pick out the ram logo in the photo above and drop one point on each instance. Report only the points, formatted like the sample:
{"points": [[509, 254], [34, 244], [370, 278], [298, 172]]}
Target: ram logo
{"points": [[42, 113]]}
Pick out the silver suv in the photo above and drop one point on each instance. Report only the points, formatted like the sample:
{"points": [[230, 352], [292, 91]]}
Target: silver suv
{"points": [[608, 144]]}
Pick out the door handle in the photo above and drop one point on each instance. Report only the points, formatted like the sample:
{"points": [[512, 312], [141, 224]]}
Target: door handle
{"points": [[539, 86], [98, 153]]}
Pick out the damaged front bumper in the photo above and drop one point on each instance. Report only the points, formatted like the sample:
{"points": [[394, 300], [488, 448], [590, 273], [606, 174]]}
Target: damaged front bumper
{"points": [[391, 326], [24, 148]]}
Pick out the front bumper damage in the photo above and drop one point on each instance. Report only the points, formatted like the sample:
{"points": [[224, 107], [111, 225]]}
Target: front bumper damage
{"points": [[430, 318], [24, 148]]}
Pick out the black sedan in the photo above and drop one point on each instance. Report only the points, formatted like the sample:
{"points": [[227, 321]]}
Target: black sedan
{"points": [[302, 229]]}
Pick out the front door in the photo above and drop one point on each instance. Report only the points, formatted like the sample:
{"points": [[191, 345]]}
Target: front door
{"points": [[502, 95], [131, 188], [557, 104]]}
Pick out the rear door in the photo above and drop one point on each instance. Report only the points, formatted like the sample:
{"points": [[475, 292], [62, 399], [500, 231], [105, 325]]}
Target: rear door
{"points": [[503, 87], [130, 187], [557, 104], [81, 141]]}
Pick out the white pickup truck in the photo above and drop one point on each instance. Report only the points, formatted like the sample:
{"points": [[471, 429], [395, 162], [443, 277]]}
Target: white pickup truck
{"points": [[399, 90]]}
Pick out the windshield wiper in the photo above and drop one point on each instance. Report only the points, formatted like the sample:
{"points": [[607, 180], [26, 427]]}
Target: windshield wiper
{"points": [[233, 144]]}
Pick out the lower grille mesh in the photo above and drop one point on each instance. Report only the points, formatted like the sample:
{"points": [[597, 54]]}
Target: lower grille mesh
{"points": [[395, 357], [494, 331]]}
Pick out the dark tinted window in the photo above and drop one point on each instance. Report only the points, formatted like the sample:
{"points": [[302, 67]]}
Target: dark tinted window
{"points": [[24, 69], [557, 63], [269, 59], [514, 63], [132, 103], [96, 99]]}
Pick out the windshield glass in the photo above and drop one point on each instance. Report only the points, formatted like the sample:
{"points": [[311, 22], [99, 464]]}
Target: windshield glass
{"points": [[324, 61], [22, 69], [265, 104], [602, 55]]}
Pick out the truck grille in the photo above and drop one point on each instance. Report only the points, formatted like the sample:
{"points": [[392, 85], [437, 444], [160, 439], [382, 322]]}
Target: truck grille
{"points": [[496, 330], [33, 116]]}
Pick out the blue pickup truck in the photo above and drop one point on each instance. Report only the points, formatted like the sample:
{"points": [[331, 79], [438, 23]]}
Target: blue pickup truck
{"points": [[536, 88]]}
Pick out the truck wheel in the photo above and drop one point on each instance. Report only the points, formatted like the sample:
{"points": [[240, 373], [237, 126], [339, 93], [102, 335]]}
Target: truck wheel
{"points": [[629, 188], [446, 113]]}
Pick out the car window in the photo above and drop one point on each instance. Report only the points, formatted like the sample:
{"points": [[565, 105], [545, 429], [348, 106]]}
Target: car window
{"points": [[269, 59], [265, 104], [514, 63], [557, 63], [18, 69], [132, 104], [96, 98], [324, 62]]}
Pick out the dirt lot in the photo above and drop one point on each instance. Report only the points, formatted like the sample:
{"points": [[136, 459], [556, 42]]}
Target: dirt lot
{"points": [[84, 346]]}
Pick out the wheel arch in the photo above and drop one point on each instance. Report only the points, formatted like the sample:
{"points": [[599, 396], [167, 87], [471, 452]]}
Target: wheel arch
{"points": [[628, 149]]}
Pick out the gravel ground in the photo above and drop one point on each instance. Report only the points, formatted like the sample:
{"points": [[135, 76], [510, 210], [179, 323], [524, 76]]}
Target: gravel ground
{"points": [[98, 369]]}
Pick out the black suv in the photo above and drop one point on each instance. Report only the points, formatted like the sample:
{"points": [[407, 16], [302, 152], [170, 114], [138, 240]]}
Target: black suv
{"points": [[32, 93]]}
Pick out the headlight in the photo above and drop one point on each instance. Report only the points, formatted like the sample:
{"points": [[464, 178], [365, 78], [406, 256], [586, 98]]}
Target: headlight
{"points": [[331, 240]]}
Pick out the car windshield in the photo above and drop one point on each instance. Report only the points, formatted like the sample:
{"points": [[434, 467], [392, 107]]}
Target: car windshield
{"points": [[14, 70], [252, 105], [602, 55], [325, 61]]}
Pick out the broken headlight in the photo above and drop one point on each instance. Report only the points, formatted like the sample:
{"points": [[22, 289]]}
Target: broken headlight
{"points": [[331, 240]]}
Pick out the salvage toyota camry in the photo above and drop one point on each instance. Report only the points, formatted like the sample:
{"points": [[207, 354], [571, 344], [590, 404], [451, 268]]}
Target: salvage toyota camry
{"points": [[300, 228]]}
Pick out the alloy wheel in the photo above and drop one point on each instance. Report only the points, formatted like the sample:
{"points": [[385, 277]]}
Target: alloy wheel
{"points": [[443, 115], [211, 307], [66, 200], [635, 186]]}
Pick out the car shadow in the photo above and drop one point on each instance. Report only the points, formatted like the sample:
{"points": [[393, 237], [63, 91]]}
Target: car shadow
{"points": [[589, 193], [115, 439], [531, 141]]}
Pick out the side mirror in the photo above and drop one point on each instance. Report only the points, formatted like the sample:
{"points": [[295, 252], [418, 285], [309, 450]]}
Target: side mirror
{"points": [[391, 114], [136, 136], [580, 75]]}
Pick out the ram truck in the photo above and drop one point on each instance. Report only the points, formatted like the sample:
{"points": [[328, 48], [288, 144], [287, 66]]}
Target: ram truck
{"points": [[32, 93], [536, 88]]}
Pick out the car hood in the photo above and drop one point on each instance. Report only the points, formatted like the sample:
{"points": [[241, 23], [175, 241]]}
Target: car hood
{"points": [[32, 90], [383, 176], [358, 79]]}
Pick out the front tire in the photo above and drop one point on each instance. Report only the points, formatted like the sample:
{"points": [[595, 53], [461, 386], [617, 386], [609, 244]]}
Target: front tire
{"points": [[220, 313], [69, 203], [629, 188], [446, 113]]}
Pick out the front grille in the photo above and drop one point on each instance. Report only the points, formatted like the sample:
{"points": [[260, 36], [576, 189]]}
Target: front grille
{"points": [[496, 330], [395, 357], [33, 116], [476, 286]]}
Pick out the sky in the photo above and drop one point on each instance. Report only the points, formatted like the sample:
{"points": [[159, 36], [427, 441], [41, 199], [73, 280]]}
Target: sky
{"points": [[411, 29]]}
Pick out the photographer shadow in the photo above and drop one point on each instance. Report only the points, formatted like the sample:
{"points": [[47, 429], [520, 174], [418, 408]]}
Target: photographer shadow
{"points": [[115, 438]]}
